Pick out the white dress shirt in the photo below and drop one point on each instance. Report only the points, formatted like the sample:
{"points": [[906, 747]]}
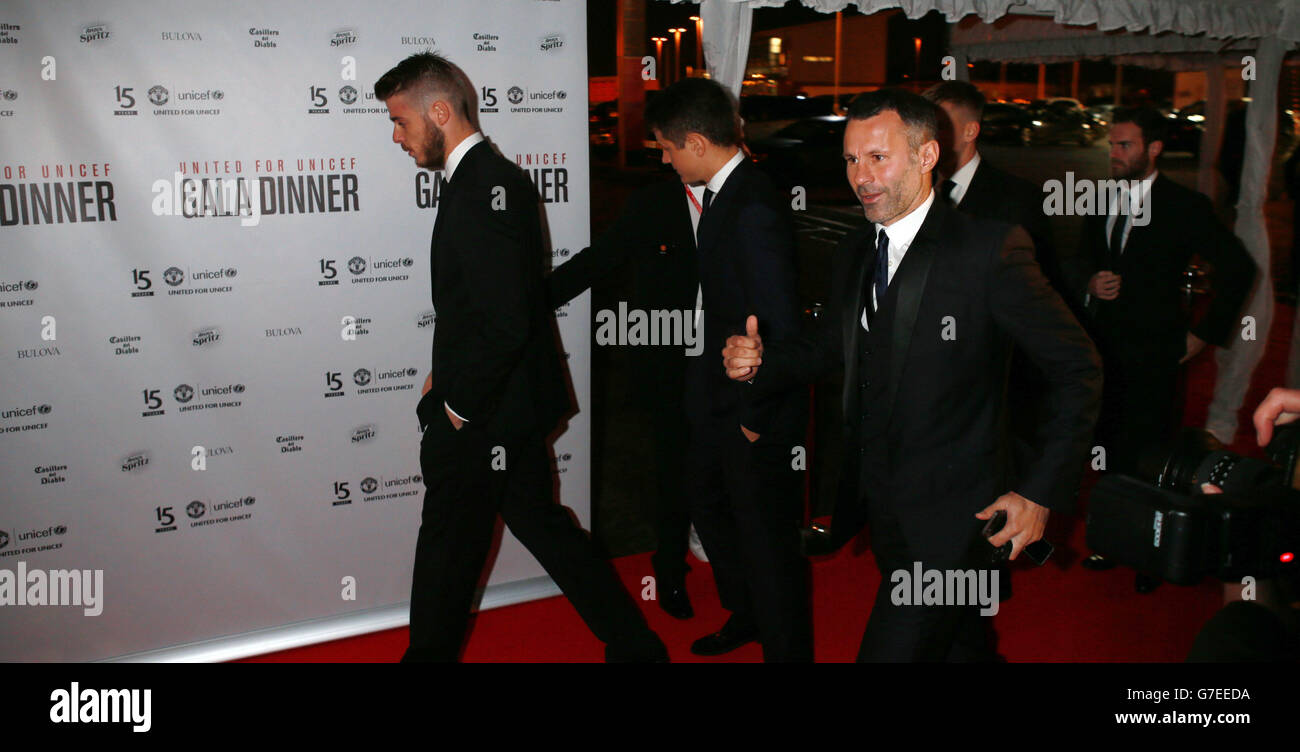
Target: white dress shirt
{"points": [[961, 180], [900, 233], [453, 159], [714, 185], [1128, 208]]}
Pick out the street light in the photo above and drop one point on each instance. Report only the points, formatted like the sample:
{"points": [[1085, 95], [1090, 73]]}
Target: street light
{"points": [[699, 42], [677, 50], [659, 54]]}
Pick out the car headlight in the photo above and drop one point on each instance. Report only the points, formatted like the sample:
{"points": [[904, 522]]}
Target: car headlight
{"points": [[1036, 122]]}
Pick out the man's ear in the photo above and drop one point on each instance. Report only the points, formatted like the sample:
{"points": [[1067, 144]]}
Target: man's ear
{"points": [[696, 143], [929, 155], [1154, 149], [439, 112], [971, 131]]}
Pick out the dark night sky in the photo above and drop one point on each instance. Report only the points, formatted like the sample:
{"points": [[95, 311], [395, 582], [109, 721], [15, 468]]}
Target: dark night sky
{"points": [[602, 24]]}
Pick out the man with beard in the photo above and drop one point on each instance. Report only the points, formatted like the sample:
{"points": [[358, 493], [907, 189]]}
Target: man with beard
{"points": [[926, 308], [1132, 287], [496, 388]]}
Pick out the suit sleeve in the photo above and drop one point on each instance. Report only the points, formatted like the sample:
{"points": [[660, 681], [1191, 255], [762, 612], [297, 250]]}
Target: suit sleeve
{"points": [[495, 248], [1234, 274], [768, 274], [1034, 316], [597, 262], [803, 358]]}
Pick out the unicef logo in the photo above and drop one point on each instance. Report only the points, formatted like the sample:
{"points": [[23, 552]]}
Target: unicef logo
{"points": [[515, 95], [173, 276], [347, 95], [411, 372], [195, 509], [4, 539], [561, 94], [361, 377], [218, 94], [60, 529], [369, 485], [231, 272], [9, 95], [416, 478], [183, 393], [44, 409], [408, 261], [356, 265], [158, 95], [249, 500], [30, 284], [238, 388]]}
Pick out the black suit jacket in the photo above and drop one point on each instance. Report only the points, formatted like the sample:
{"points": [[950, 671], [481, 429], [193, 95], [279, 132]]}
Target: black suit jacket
{"points": [[653, 241], [998, 195], [495, 355], [924, 408], [746, 261], [1148, 319]]}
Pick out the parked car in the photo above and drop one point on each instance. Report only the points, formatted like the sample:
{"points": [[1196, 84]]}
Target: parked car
{"points": [[807, 152], [1005, 123], [1061, 122]]}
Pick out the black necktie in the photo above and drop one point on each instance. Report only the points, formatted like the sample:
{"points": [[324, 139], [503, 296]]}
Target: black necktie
{"points": [[945, 190], [708, 199], [880, 276], [1117, 238]]}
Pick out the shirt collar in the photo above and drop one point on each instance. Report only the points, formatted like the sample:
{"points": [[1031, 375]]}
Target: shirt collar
{"points": [[720, 177], [962, 177], [458, 153], [904, 230]]}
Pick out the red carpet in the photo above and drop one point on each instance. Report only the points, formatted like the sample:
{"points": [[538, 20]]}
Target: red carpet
{"points": [[1056, 613]]}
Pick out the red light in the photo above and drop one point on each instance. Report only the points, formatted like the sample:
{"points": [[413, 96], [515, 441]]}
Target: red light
{"points": [[1287, 557]]}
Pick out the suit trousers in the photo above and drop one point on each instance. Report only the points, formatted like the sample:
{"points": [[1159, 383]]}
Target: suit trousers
{"points": [[920, 633], [470, 478], [671, 514], [747, 505]]}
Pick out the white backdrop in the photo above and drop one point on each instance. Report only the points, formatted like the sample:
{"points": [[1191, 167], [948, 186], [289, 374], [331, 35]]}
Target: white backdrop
{"points": [[226, 332]]}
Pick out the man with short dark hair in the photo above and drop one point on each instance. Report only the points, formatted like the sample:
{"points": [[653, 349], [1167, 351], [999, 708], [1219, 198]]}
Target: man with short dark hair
{"points": [[496, 388], [927, 305], [1132, 286], [744, 488]]}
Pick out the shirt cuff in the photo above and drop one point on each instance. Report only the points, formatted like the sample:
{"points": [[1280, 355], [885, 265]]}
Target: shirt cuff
{"points": [[453, 412]]}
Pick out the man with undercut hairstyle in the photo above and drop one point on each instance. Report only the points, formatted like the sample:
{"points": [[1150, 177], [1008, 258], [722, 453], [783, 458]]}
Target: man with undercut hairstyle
{"points": [[496, 389]]}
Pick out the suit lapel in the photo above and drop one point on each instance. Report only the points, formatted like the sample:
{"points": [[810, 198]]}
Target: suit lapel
{"points": [[852, 323], [910, 280], [720, 210]]}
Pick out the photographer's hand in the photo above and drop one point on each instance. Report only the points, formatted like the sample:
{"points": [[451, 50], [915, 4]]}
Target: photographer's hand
{"points": [[1280, 407]]}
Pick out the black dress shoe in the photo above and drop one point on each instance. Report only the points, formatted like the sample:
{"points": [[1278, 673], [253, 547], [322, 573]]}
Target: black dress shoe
{"points": [[675, 602], [1145, 583], [732, 635], [1097, 563]]}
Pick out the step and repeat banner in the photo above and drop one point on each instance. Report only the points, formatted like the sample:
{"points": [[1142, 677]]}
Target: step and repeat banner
{"points": [[215, 317]]}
